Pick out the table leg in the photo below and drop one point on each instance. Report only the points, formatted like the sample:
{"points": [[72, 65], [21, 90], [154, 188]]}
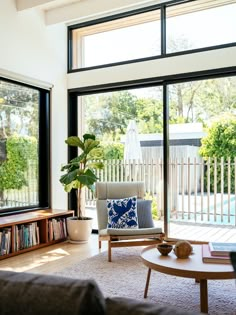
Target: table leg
{"points": [[147, 282], [203, 296]]}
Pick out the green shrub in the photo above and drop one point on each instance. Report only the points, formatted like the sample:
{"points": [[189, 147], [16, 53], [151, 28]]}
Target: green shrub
{"points": [[113, 150], [220, 142], [20, 149]]}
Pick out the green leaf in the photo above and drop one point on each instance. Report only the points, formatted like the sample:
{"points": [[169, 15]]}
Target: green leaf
{"points": [[75, 142], [80, 170], [90, 144], [96, 165], [72, 185], [89, 136], [96, 154], [75, 160], [88, 178], [68, 178], [92, 188], [65, 167]]}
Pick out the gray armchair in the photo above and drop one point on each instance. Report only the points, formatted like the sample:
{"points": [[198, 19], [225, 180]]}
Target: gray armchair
{"points": [[145, 234]]}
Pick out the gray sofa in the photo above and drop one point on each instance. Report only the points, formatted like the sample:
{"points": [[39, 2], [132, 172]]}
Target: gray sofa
{"points": [[35, 294]]}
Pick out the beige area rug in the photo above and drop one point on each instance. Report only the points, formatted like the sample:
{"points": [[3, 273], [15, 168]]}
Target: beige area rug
{"points": [[126, 276]]}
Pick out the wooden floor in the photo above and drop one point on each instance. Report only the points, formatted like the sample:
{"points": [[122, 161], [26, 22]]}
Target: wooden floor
{"points": [[59, 256], [52, 258]]}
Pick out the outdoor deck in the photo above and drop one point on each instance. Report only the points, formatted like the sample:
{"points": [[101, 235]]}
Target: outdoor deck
{"points": [[189, 230], [201, 232]]}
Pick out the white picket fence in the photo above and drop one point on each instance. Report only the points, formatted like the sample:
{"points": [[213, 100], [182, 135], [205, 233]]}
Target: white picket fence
{"points": [[191, 196], [196, 187], [27, 195]]}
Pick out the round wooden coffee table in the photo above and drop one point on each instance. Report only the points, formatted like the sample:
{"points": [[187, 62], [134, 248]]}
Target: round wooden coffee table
{"points": [[192, 267]]}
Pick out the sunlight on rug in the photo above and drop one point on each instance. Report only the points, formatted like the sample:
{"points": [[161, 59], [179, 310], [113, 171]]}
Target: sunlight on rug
{"points": [[126, 277]]}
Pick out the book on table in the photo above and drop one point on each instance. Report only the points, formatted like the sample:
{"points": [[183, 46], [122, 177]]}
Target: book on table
{"points": [[221, 249], [207, 257], [233, 260]]}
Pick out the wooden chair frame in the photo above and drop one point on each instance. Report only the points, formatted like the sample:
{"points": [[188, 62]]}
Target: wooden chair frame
{"points": [[116, 190], [129, 240]]}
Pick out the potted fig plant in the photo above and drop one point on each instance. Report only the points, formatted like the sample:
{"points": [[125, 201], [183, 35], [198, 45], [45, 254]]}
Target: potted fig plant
{"points": [[78, 174]]}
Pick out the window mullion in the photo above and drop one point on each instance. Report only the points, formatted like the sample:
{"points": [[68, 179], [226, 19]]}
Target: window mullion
{"points": [[163, 30]]}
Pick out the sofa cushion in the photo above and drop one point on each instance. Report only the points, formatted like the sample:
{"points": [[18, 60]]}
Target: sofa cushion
{"points": [[144, 210], [123, 232], [122, 213], [126, 306], [26, 293]]}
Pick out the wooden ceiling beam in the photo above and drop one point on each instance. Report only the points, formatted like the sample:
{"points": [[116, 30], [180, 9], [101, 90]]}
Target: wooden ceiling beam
{"points": [[89, 9], [29, 4]]}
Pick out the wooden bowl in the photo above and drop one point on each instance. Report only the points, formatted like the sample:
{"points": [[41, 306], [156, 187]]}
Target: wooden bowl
{"points": [[164, 249]]}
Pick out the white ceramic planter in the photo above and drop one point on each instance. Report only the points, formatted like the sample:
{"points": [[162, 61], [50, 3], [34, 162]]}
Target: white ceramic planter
{"points": [[79, 231]]}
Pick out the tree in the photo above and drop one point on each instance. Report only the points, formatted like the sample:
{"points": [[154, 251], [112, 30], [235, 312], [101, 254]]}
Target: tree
{"points": [[117, 109], [220, 142], [18, 110], [20, 149], [220, 97], [149, 115], [200, 101]]}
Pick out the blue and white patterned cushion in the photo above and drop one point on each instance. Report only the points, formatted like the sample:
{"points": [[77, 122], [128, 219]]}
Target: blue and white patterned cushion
{"points": [[122, 213]]}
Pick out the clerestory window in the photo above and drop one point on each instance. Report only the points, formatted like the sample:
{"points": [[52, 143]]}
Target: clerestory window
{"points": [[153, 32], [127, 38]]}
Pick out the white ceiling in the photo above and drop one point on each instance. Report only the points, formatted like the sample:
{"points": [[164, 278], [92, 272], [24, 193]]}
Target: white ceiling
{"points": [[44, 4], [76, 11], [71, 11]]}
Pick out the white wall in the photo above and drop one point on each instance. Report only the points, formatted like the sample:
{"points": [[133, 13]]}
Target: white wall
{"points": [[213, 59], [29, 48]]}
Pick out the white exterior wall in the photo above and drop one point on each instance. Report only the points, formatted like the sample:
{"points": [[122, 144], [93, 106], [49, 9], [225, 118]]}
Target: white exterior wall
{"points": [[30, 48], [201, 61]]}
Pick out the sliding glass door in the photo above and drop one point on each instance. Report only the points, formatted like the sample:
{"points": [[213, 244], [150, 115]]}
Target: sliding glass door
{"points": [[187, 135], [109, 115], [202, 157]]}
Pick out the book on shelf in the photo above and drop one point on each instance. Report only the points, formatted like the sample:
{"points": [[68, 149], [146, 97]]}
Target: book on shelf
{"points": [[57, 229], [26, 235], [207, 257], [5, 245], [221, 249]]}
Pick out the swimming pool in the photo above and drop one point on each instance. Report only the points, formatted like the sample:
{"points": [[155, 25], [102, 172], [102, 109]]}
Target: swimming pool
{"points": [[228, 216]]}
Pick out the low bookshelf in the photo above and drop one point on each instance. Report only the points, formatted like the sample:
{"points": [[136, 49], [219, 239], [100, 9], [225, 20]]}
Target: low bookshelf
{"points": [[20, 233]]}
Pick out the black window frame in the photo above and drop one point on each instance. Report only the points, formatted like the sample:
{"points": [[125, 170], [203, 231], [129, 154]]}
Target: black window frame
{"points": [[159, 81], [162, 7], [44, 180]]}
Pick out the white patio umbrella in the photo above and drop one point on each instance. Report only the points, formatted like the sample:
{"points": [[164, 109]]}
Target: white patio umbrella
{"points": [[132, 152]]}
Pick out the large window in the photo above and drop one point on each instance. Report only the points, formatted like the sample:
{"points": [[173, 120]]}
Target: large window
{"points": [[124, 39], [23, 112], [182, 27]]}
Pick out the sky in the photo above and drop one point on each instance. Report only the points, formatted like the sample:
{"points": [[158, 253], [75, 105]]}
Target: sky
{"points": [[201, 29]]}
